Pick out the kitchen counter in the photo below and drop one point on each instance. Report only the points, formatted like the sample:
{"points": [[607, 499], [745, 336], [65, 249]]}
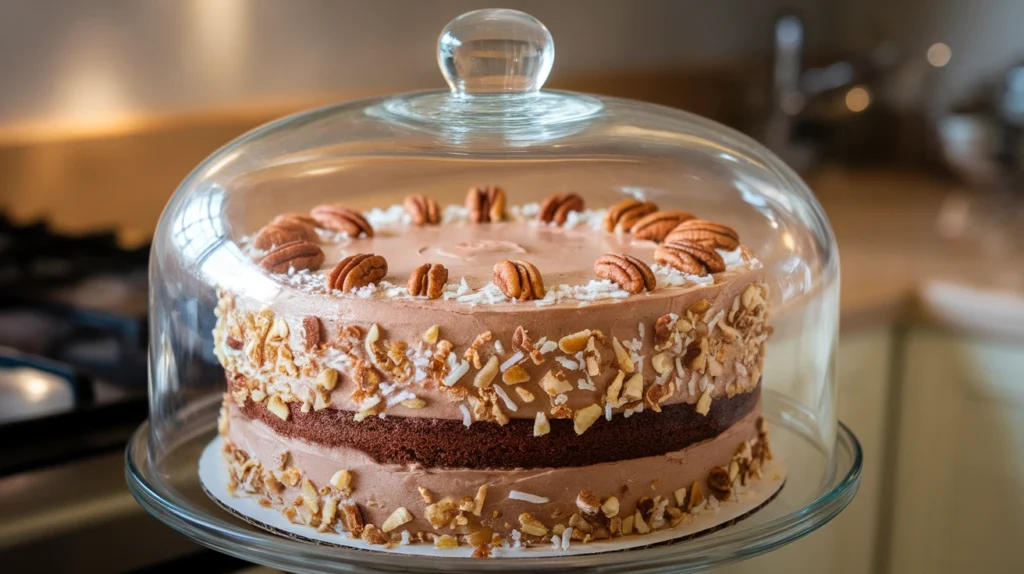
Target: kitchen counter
{"points": [[896, 264]]}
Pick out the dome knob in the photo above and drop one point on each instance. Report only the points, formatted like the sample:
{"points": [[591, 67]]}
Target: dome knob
{"points": [[495, 51]]}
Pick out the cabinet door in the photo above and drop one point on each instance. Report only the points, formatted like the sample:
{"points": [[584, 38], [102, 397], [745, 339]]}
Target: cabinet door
{"points": [[847, 545], [959, 490]]}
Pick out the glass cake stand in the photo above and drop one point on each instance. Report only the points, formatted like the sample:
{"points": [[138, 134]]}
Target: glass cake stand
{"points": [[814, 493]]}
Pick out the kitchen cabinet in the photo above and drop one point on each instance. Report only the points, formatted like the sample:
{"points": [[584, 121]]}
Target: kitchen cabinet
{"points": [[848, 544], [959, 475]]}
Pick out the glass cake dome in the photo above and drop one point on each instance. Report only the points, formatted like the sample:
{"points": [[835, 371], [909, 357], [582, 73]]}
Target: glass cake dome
{"points": [[494, 129]]}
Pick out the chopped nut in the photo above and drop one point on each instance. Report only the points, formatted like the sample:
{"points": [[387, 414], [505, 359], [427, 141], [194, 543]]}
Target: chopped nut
{"points": [[310, 496], [414, 403], [561, 412], [615, 526], [430, 335], [320, 402], [441, 512], [734, 470], [472, 354], [751, 297], [663, 333], [257, 395], [574, 343], [699, 361], [627, 525], [529, 524], [662, 363], [328, 514], [478, 500], [446, 541], [683, 326], [541, 426], [612, 392], [399, 517], [719, 483], [680, 495], [342, 480], [587, 502], [291, 476], [487, 373], [524, 394], [592, 358], [425, 494], [327, 379], [622, 357], [371, 339], [278, 407], [704, 402], [558, 529], [656, 394], [576, 521], [372, 535], [363, 414], [610, 508], [639, 524], [677, 517], [696, 496], [586, 417], [555, 384], [634, 388], [515, 375]]}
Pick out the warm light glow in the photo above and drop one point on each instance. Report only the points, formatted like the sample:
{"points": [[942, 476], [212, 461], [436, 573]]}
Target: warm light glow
{"points": [[939, 54], [788, 241], [858, 99], [35, 389]]}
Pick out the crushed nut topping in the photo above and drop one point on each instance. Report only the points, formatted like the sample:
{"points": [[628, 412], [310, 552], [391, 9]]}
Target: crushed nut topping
{"points": [[586, 417], [278, 407], [431, 334], [399, 517], [588, 503], [529, 524], [555, 383], [622, 357], [486, 375], [541, 426]]}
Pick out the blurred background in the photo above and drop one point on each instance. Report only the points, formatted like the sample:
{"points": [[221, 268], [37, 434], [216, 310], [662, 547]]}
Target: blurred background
{"points": [[904, 116]]}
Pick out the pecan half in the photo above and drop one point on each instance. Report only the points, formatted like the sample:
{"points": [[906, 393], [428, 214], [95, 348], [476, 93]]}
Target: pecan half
{"points": [[622, 215], [341, 218], [655, 226], [486, 204], [272, 235], [422, 209], [628, 272], [357, 271], [428, 280], [518, 280], [557, 207], [689, 258], [297, 255], [706, 233]]}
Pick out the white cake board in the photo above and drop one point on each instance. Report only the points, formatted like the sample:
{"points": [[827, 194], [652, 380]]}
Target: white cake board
{"points": [[213, 473]]}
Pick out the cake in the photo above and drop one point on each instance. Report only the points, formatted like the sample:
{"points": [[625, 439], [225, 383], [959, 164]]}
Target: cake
{"points": [[488, 374]]}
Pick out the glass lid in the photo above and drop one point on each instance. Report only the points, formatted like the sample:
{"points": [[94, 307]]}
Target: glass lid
{"points": [[516, 302]]}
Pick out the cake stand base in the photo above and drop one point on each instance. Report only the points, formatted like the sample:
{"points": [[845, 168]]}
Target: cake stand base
{"points": [[817, 489]]}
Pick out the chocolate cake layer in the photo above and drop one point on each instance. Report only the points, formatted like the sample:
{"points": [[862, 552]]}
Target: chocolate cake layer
{"points": [[444, 443]]}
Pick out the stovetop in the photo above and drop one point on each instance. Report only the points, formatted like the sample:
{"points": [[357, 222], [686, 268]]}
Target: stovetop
{"points": [[72, 345]]}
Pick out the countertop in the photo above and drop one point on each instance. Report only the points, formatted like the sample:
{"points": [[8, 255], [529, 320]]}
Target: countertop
{"points": [[897, 262]]}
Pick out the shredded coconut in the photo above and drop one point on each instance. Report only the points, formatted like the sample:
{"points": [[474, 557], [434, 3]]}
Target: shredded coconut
{"points": [[405, 538], [526, 497], [714, 320], [498, 347], [515, 358], [390, 217], [509, 403], [586, 384], [568, 363], [517, 539], [566, 538], [547, 346], [466, 419], [456, 374], [607, 411]]}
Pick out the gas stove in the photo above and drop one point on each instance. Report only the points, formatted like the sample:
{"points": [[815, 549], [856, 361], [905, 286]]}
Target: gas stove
{"points": [[73, 314]]}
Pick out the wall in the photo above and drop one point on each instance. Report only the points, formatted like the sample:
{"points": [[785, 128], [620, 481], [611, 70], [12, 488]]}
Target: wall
{"points": [[98, 60]]}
